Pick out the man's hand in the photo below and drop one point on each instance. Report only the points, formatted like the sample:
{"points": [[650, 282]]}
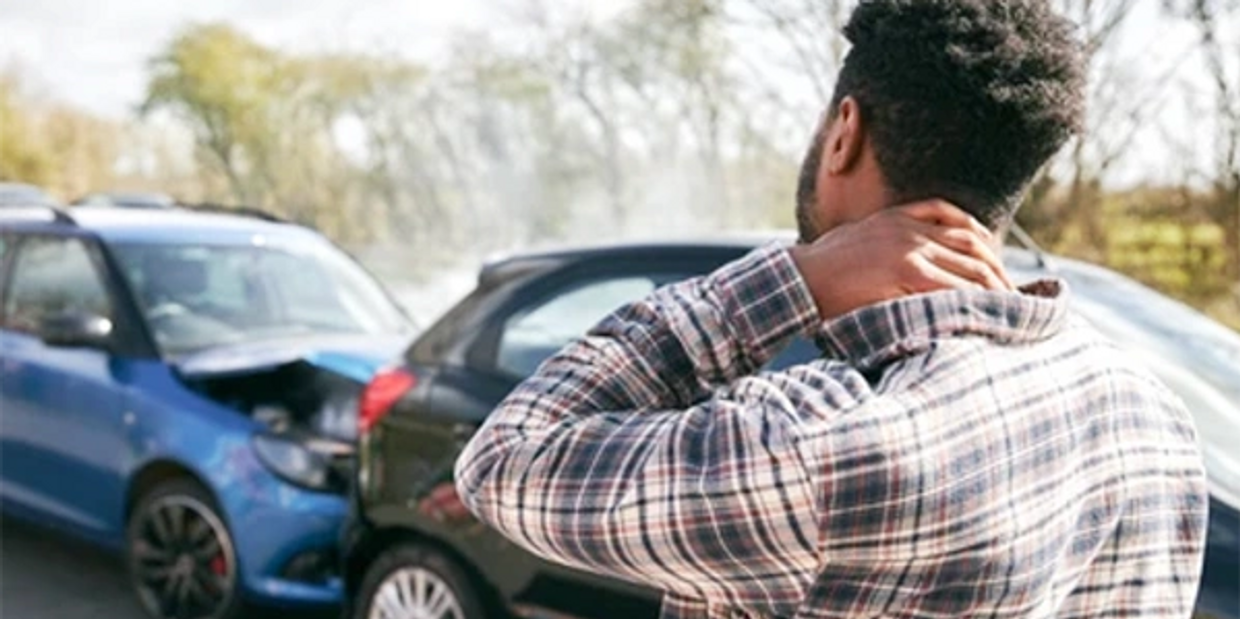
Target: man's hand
{"points": [[915, 248]]}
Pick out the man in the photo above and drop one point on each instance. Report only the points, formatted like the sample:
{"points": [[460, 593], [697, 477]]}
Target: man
{"points": [[961, 449]]}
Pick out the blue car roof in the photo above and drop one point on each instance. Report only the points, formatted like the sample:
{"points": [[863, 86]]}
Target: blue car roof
{"points": [[121, 225]]}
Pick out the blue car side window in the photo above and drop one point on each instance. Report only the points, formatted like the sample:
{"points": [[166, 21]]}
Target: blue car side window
{"points": [[53, 276]]}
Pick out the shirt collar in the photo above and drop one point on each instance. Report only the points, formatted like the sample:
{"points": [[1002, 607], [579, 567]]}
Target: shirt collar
{"points": [[877, 334]]}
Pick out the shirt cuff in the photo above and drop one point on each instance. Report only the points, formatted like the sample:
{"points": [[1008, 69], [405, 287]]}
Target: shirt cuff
{"points": [[765, 301]]}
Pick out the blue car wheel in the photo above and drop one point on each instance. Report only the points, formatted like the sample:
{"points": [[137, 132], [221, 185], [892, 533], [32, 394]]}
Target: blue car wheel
{"points": [[182, 562]]}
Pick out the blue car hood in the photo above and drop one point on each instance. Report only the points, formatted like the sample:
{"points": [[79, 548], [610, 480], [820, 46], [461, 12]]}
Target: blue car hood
{"points": [[354, 357]]}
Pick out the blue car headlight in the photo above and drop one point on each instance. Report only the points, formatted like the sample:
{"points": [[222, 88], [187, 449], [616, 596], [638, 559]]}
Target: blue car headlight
{"points": [[293, 462]]}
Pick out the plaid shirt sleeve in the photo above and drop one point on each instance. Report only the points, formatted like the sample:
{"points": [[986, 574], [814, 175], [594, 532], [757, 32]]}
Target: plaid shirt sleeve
{"points": [[643, 452]]}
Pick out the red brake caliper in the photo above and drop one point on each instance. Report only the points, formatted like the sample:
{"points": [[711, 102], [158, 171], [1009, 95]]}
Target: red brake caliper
{"points": [[218, 566]]}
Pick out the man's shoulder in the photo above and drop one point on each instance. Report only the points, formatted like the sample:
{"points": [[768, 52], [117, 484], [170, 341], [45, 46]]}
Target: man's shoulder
{"points": [[1113, 360], [1077, 357], [1107, 375]]}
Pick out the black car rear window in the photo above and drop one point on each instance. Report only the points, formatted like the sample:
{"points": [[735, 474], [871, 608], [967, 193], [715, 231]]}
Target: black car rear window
{"points": [[439, 338]]}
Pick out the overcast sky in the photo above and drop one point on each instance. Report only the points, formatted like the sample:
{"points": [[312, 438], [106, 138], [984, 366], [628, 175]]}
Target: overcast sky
{"points": [[93, 53]]}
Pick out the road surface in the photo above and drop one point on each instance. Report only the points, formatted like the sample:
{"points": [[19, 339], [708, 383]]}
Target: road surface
{"points": [[44, 576]]}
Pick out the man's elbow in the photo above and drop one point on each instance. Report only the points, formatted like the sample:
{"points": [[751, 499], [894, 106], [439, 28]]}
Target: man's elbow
{"points": [[470, 478]]}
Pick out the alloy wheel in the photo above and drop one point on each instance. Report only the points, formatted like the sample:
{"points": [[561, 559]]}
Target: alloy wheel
{"points": [[182, 560], [415, 593]]}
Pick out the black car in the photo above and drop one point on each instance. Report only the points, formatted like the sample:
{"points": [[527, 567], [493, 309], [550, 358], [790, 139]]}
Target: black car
{"points": [[412, 550]]}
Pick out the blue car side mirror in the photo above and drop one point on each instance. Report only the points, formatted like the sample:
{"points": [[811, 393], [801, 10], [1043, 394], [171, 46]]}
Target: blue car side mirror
{"points": [[76, 330]]}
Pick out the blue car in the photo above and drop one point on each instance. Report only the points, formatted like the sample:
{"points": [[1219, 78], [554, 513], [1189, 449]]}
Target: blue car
{"points": [[182, 387]]}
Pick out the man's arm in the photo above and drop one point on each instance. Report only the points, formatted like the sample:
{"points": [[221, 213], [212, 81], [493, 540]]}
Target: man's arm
{"points": [[675, 347], [711, 501], [600, 461]]}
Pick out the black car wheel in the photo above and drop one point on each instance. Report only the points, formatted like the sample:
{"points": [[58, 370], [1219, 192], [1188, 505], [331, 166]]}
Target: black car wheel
{"points": [[181, 559], [412, 581]]}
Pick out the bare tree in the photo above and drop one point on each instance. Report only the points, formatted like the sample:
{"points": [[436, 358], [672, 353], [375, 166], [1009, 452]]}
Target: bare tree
{"points": [[1208, 16], [573, 54], [805, 36], [1113, 119]]}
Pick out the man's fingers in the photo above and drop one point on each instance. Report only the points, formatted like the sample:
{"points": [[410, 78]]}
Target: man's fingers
{"points": [[944, 213], [966, 267], [930, 277], [937, 211], [969, 244]]}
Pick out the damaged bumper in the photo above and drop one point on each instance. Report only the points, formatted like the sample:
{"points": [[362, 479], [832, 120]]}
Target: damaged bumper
{"points": [[286, 491], [304, 394], [290, 539]]}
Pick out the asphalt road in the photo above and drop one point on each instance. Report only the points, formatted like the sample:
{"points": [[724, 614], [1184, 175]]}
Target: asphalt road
{"points": [[43, 576], [46, 576]]}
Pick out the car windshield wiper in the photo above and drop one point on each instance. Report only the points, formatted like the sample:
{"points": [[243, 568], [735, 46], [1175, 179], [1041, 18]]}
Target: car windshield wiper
{"points": [[1028, 243]]}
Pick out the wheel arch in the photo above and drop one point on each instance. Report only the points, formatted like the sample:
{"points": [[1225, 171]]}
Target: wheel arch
{"points": [[155, 472]]}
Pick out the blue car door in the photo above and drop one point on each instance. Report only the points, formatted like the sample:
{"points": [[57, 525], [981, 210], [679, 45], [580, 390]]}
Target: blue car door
{"points": [[6, 438], [62, 446]]}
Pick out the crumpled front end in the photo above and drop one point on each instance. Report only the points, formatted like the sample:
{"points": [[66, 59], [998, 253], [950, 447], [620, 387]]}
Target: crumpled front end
{"points": [[304, 395]]}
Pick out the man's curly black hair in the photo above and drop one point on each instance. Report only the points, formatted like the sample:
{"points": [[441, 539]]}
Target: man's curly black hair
{"points": [[963, 99]]}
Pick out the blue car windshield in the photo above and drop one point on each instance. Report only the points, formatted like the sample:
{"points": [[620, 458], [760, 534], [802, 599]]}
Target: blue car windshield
{"points": [[196, 297]]}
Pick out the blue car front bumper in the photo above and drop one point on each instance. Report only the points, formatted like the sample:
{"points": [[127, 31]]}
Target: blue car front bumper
{"points": [[286, 540]]}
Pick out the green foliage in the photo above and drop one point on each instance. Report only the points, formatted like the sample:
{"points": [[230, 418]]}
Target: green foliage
{"points": [[265, 122], [493, 148], [20, 158], [61, 149], [1162, 236], [234, 94]]}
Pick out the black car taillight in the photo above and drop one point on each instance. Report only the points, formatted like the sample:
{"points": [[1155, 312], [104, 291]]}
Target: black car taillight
{"points": [[384, 390]]}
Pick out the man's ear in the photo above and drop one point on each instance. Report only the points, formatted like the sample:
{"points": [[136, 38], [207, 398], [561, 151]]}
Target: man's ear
{"points": [[845, 139]]}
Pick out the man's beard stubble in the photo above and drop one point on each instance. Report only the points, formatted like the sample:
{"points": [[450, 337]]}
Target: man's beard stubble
{"points": [[807, 189]]}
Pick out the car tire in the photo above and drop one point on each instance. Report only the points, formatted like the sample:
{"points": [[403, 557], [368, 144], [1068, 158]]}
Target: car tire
{"points": [[180, 554], [394, 579]]}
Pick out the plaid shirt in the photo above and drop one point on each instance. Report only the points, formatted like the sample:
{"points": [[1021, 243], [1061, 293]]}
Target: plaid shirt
{"points": [[962, 453]]}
